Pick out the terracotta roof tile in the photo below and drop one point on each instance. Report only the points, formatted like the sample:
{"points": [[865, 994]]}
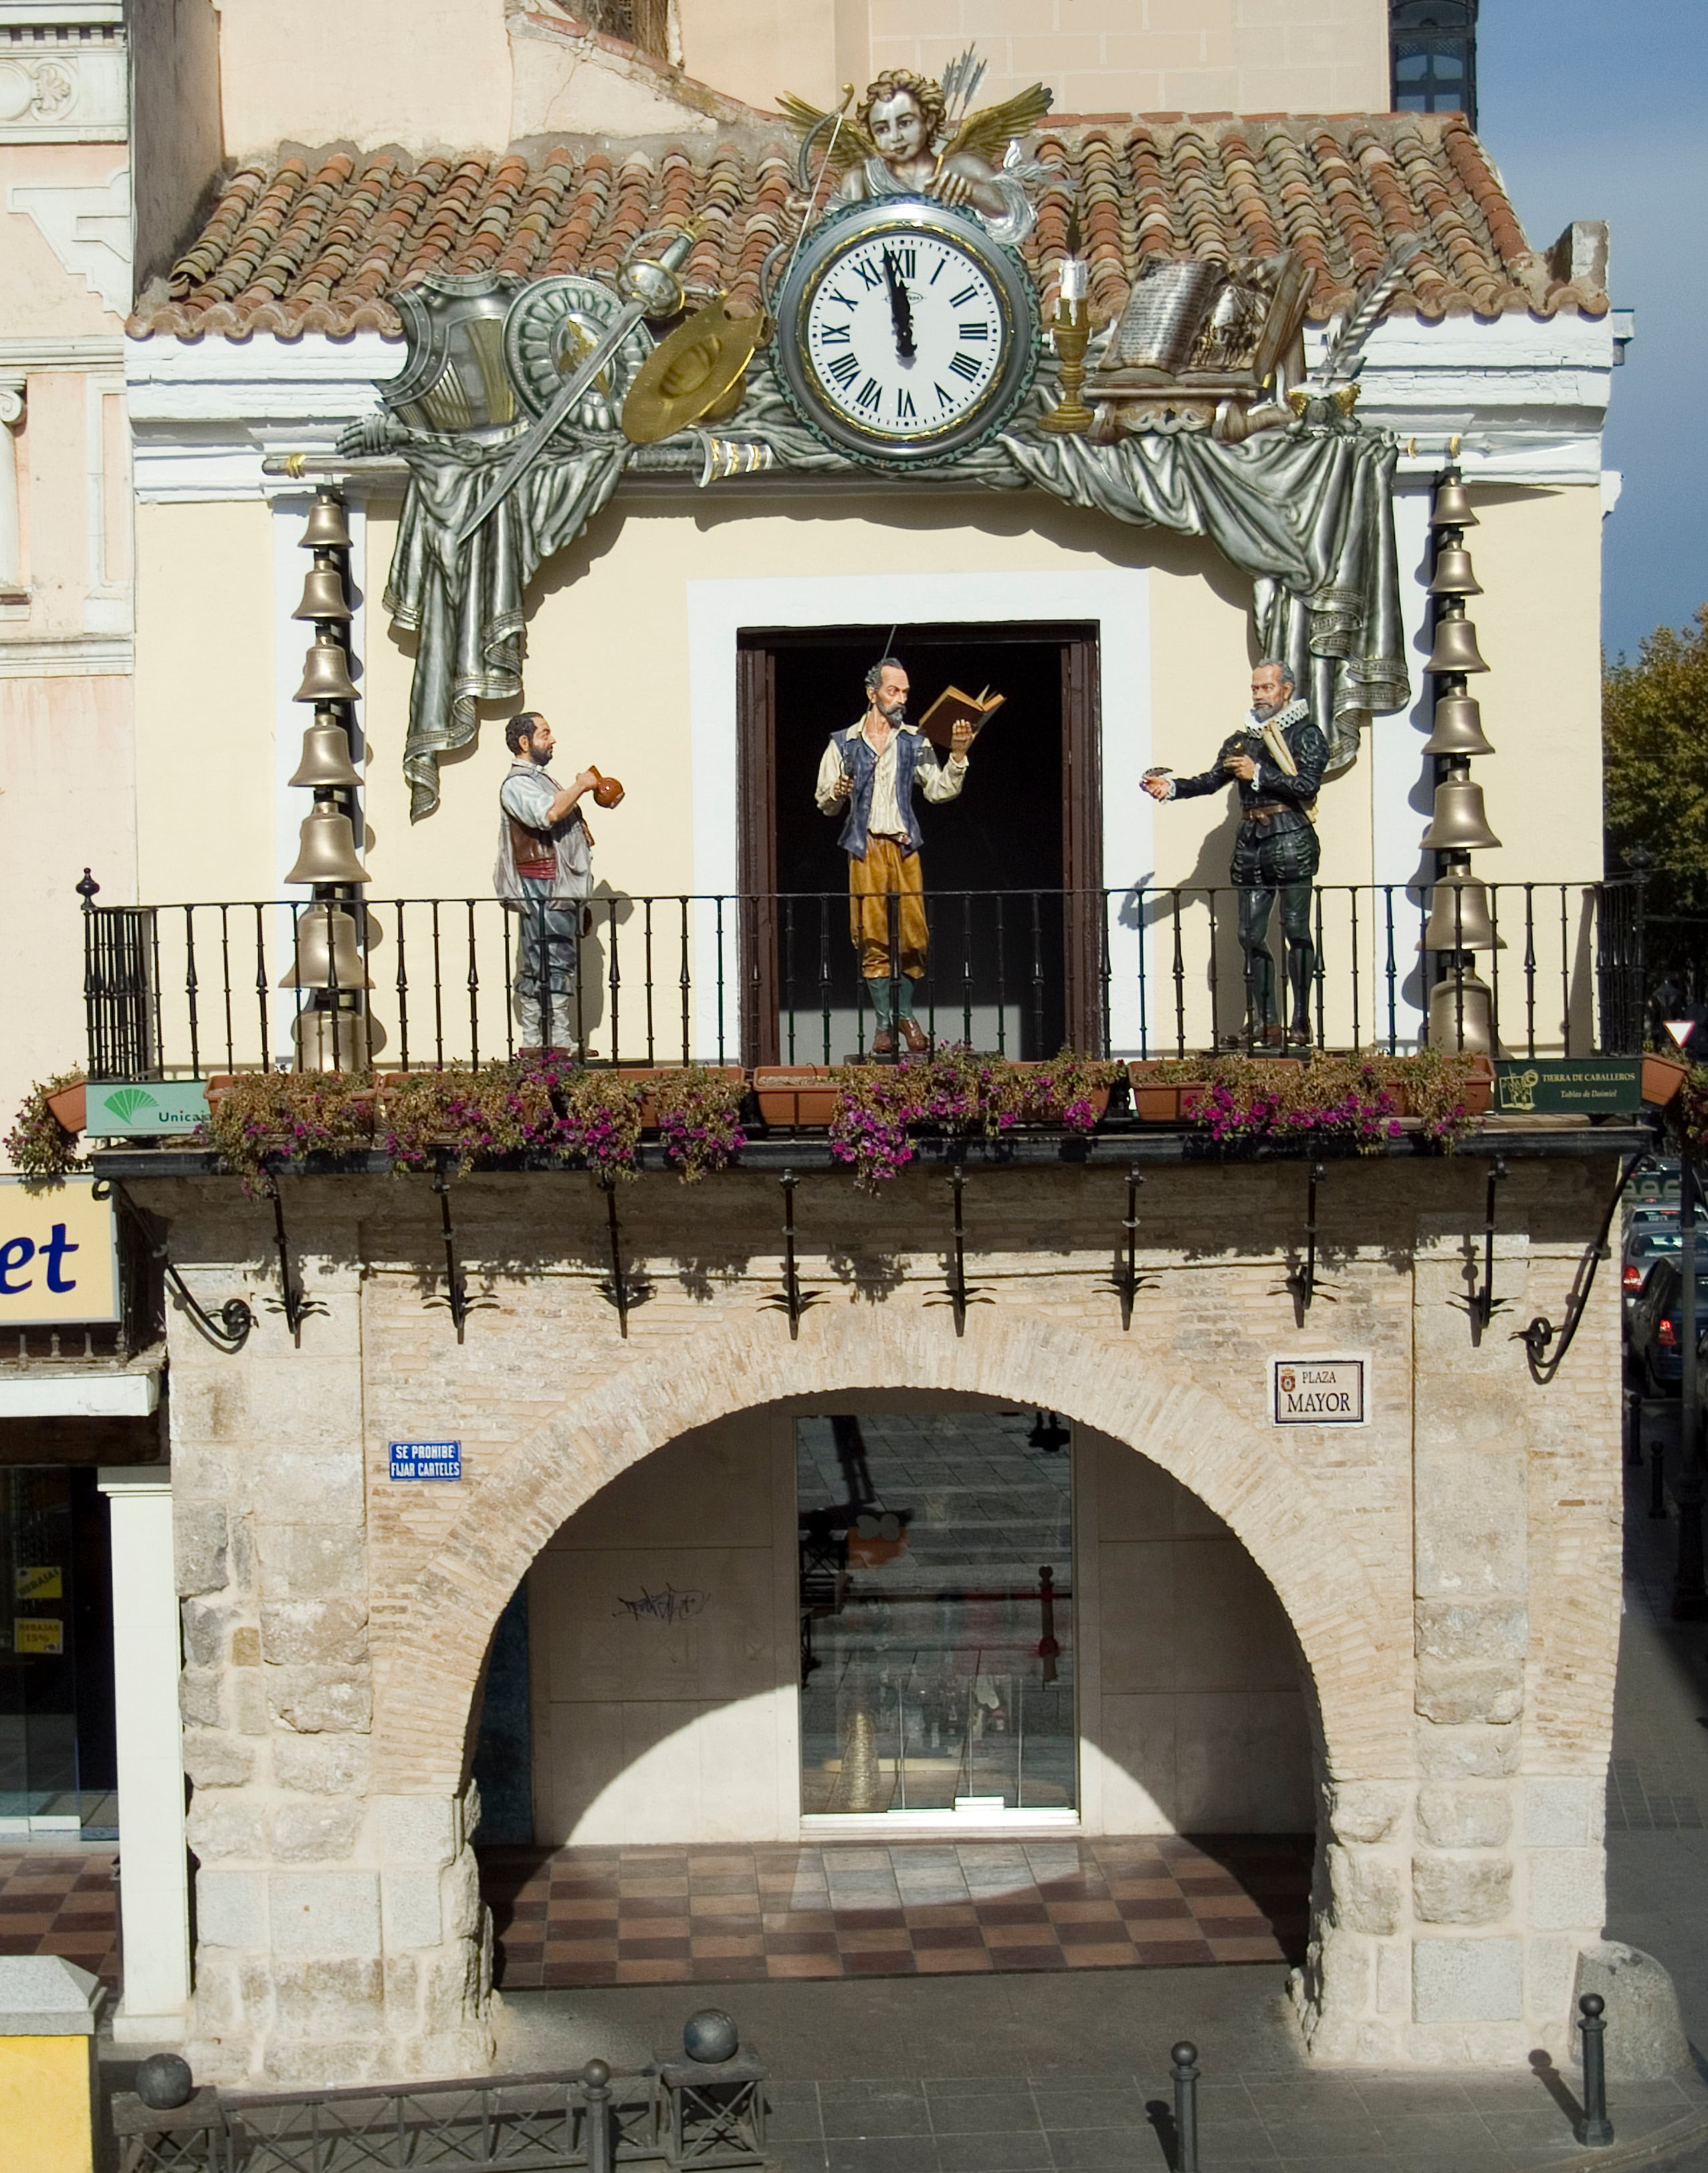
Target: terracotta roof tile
{"points": [[319, 242]]}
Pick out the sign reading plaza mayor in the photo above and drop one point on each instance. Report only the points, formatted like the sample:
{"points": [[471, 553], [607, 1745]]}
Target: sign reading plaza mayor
{"points": [[59, 1255], [1319, 1391]]}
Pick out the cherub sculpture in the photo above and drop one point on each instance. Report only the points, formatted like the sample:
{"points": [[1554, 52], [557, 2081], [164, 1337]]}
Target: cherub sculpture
{"points": [[911, 136]]}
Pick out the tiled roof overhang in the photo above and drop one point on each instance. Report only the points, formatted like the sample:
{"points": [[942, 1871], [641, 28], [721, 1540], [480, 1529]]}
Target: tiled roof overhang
{"points": [[318, 241]]}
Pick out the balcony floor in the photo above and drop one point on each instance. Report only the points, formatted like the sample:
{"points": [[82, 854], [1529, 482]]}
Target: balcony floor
{"points": [[719, 1915]]}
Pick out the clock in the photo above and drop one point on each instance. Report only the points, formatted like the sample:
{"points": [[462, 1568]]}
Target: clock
{"points": [[905, 335]]}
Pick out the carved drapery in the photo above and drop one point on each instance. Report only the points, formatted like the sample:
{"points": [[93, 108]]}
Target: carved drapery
{"points": [[1305, 512]]}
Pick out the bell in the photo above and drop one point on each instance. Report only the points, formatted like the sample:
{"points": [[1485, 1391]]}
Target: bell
{"points": [[1455, 647], [1453, 576], [335, 1041], [323, 594], [326, 755], [328, 955], [328, 853], [1459, 727], [1459, 918], [1461, 1015], [1459, 824], [326, 675], [1452, 506], [327, 529]]}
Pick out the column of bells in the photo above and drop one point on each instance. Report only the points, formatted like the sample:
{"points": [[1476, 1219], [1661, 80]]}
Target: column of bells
{"points": [[332, 1031], [1460, 923]]}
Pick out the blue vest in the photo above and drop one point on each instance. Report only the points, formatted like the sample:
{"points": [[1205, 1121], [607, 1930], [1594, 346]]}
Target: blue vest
{"points": [[857, 757]]}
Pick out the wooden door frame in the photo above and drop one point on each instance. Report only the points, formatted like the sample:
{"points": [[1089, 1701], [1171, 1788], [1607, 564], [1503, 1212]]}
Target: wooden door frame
{"points": [[1082, 817]]}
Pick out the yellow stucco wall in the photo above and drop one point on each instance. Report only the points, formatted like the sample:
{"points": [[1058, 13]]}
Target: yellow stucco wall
{"points": [[609, 662], [45, 2099]]}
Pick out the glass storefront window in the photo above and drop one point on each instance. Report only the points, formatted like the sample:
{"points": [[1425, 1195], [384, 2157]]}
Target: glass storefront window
{"points": [[56, 1757], [936, 1614]]}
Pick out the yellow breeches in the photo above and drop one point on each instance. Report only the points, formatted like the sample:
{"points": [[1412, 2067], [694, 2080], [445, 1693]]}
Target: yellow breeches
{"points": [[886, 871]]}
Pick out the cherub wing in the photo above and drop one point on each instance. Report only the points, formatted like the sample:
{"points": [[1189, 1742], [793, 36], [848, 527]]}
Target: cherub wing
{"points": [[988, 132], [818, 135]]}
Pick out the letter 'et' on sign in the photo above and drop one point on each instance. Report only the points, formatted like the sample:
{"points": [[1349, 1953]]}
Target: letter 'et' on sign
{"points": [[1315, 1392], [59, 1255]]}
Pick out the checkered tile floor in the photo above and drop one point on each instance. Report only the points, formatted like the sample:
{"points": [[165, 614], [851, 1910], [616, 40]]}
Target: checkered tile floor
{"points": [[61, 1904], [706, 1915]]}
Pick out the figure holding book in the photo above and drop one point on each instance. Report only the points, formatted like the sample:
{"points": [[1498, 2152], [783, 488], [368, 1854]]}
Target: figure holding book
{"points": [[1277, 762], [868, 776]]}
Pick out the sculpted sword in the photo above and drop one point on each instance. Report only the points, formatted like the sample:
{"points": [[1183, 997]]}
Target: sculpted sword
{"points": [[650, 288]]}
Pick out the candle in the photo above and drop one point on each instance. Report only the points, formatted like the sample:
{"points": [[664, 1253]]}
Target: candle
{"points": [[1075, 279]]}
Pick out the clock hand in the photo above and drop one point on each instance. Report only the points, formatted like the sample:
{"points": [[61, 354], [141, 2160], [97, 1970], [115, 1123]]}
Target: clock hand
{"points": [[901, 311]]}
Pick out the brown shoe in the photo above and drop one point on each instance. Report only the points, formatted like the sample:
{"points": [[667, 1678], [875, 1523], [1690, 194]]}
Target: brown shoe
{"points": [[913, 1034], [884, 1042], [1298, 1037]]}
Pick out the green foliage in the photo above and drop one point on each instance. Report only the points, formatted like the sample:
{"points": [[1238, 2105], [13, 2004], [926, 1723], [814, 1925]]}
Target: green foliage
{"points": [[1654, 739], [38, 1144]]}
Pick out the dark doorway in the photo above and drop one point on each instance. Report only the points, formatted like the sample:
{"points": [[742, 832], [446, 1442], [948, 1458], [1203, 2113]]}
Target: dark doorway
{"points": [[1013, 868]]}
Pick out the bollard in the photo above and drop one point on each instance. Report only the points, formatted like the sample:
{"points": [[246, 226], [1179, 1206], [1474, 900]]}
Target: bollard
{"points": [[47, 2072], [1595, 2129], [595, 2082], [1185, 2059]]}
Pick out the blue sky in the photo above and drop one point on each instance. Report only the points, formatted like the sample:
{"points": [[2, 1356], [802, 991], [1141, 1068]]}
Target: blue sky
{"points": [[1598, 108]]}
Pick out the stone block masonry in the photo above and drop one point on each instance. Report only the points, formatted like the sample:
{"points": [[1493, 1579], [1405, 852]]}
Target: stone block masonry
{"points": [[1451, 1569]]}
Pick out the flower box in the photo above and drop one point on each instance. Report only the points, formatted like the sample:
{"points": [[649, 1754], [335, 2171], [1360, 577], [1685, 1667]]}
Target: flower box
{"points": [[1662, 1077], [649, 1075], [70, 1106], [794, 1095], [1479, 1092]]}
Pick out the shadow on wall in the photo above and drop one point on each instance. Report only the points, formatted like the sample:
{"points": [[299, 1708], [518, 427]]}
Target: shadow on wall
{"points": [[645, 1681]]}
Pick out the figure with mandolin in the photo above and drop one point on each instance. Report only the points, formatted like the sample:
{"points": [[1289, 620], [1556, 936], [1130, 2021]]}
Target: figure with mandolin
{"points": [[545, 871], [869, 775], [1277, 762]]}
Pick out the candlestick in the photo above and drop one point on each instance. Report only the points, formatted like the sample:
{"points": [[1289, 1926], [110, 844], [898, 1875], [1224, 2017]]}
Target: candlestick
{"points": [[1071, 332]]}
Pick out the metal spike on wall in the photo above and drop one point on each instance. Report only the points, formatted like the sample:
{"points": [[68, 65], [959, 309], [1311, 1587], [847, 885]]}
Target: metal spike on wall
{"points": [[333, 1032], [1460, 922]]}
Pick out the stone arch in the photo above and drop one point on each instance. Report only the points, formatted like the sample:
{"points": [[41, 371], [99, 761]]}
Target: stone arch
{"points": [[1252, 1479]]}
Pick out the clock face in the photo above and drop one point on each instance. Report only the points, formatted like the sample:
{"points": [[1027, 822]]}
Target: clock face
{"points": [[905, 334]]}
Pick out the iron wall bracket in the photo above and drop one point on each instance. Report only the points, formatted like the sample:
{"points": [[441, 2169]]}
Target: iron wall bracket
{"points": [[791, 1299], [292, 1302], [456, 1300], [1124, 1278], [624, 1291], [957, 1291], [228, 1330]]}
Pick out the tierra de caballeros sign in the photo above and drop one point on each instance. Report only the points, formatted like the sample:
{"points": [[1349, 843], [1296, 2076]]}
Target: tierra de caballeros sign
{"points": [[1319, 1391]]}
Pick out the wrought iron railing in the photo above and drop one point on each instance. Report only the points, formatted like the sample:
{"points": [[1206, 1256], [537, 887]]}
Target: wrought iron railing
{"points": [[194, 990]]}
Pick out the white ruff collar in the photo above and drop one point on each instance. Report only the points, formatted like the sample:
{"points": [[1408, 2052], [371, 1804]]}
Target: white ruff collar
{"points": [[1296, 712]]}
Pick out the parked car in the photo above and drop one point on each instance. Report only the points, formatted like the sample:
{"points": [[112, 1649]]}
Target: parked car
{"points": [[1656, 1332], [1642, 1248]]}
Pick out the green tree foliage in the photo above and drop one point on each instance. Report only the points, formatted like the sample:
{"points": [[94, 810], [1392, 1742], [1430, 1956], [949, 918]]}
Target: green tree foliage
{"points": [[1655, 743]]}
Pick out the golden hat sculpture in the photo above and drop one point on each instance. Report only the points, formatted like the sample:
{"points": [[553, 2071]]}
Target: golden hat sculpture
{"points": [[694, 376]]}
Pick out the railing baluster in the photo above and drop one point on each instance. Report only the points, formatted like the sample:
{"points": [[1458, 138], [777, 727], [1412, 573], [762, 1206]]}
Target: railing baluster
{"points": [[263, 987], [402, 985], [1001, 982], [1179, 980], [1317, 915], [190, 991], [613, 980], [1357, 1021], [1529, 969], [967, 965], [720, 979], [787, 1004], [825, 902], [1391, 969], [438, 993], [646, 926], [1493, 893], [225, 984], [1564, 975], [474, 987], [1216, 979], [1038, 979], [686, 977]]}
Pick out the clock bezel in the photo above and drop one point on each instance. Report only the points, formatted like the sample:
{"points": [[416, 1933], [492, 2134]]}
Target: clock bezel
{"points": [[1021, 332]]}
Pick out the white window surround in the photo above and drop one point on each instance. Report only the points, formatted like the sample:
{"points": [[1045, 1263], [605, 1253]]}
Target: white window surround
{"points": [[46, 1394], [1117, 602]]}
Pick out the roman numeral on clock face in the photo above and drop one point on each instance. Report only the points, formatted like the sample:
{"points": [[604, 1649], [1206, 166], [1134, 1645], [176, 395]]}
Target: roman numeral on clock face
{"points": [[964, 366]]}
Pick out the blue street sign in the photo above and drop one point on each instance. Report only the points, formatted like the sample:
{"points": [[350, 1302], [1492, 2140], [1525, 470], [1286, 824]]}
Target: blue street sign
{"points": [[427, 1459]]}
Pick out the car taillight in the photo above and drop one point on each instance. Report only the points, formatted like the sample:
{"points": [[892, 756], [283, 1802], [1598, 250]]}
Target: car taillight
{"points": [[1633, 1276], [1666, 1335]]}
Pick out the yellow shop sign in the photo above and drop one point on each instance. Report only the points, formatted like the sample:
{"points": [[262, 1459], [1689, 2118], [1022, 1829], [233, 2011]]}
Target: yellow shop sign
{"points": [[37, 1633], [59, 1258]]}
